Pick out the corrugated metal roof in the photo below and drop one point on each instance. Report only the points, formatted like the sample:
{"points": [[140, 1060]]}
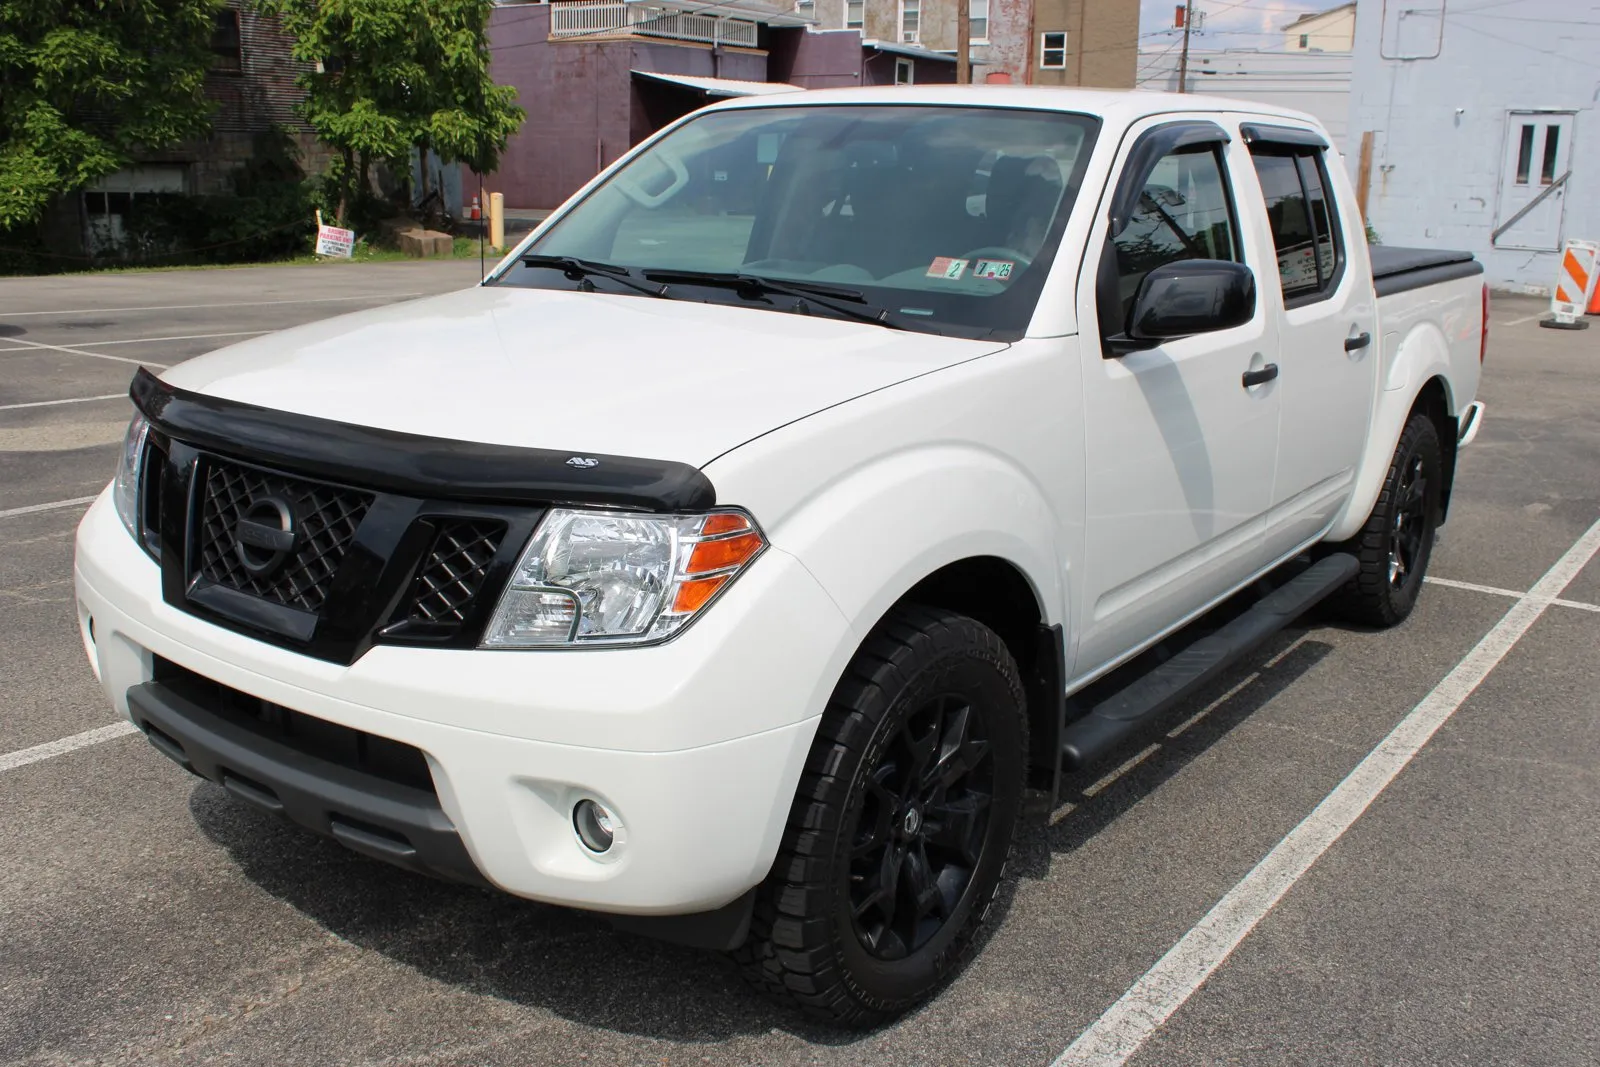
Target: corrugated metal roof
{"points": [[719, 87]]}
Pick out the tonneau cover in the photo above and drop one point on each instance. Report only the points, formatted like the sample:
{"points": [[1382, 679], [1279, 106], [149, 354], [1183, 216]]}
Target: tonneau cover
{"points": [[1389, 260], [1397, 270]]}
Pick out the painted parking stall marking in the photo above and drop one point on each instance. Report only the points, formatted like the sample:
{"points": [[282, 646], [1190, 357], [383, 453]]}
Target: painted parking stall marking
{"points": [[42, 347], [31, 509], [58, 403], [22, 757], [228, 304], [1474, 587], [1113, 1038]]}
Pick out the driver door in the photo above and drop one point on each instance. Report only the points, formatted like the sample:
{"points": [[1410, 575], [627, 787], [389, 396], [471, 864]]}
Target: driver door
{"points": [[1181, 452]]}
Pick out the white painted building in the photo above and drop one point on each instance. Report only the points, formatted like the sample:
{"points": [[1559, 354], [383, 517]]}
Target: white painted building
{"points": [[1486, 134], [1314, 82], [1332, 30]]}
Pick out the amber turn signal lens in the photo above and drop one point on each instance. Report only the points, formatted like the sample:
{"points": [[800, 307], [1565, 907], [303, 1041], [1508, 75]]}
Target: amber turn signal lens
{"points": [[711, 556], [692, 596], [723, 522]]}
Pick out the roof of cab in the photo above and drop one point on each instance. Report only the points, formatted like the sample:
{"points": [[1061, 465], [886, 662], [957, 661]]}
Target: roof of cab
{"points": [[1115, 105]]}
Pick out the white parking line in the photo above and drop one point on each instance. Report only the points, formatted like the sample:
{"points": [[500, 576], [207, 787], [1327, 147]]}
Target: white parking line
{"points": [[52, 506], [24, 756], [1113, 1038], [54, 403], [1525, 318], [151, 340], [236, 304], [1474, 587], [80, 352]]}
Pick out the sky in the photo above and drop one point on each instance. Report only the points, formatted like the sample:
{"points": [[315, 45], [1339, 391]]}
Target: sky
{"points": [[1229, 23]]}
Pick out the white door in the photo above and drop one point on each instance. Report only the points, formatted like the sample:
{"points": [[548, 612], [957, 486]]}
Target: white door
{"points": [[1327, 322], [1180, 451], [1538, 154]]}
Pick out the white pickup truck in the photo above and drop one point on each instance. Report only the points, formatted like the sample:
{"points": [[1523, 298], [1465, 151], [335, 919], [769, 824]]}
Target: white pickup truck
{"points": [[810, 485]]}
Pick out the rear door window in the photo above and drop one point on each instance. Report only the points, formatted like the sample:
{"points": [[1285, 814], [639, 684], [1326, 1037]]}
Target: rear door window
{"points": [[1304, 222]]}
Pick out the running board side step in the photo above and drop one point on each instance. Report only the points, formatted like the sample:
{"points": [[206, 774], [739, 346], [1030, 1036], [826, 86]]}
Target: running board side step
{"points": [[1127, 712]]}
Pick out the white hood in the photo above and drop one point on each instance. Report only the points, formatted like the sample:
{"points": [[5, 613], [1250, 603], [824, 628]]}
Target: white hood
{"points": [[580, 372]]}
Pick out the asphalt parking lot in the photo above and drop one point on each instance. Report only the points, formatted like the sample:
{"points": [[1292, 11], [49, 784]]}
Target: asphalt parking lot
{"points": [[146, 917]]}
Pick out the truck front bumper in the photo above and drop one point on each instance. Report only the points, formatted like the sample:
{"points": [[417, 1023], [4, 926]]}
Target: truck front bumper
{"points": [[694, 746]]}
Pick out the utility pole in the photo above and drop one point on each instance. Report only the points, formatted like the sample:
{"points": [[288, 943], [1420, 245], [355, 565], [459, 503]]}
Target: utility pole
{"points": [[1183, 57], [963, 42]]}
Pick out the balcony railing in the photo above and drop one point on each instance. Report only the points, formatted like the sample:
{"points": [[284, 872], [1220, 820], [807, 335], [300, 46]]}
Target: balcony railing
{"points": [[614, 18]]}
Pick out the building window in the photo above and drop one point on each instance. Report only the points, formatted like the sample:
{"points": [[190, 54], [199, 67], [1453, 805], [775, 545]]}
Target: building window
{"points": [[978, 17], [226, 55], [1525, 154], [1305, 40], [905, 72], [855, 14], [1552, 142], [1053, 51], [910, 20]]}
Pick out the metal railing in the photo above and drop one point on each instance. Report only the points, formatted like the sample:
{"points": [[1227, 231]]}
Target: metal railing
{"points": [[614, 18]]}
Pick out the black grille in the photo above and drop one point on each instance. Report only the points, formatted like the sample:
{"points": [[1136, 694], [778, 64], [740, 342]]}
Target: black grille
{"points": [[325, 516], [453, 571]]}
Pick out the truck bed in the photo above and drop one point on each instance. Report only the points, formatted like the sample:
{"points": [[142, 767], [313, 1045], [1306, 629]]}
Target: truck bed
{"points": [[1395, 269]]}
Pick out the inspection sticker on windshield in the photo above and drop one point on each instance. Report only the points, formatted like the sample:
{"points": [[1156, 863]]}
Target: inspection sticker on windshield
{"points": [[945, 267], [998, 269]]}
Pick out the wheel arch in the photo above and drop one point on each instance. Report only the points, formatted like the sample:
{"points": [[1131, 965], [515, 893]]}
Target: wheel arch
{"points": [[1433, 396], [997, 593]]}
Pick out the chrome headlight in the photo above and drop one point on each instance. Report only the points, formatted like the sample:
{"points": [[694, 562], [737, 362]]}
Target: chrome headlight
{"points": [[619, 578], [125, 489]]}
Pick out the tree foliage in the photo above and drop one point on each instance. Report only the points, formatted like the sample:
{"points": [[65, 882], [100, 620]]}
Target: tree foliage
{"points": [[83, 83], [394, 75]]}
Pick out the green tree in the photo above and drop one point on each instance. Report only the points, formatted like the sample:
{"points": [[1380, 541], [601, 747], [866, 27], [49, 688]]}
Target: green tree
{"points": [[84, 83], [393, 75]]}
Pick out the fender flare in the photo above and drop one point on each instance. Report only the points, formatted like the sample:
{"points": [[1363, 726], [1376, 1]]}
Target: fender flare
{"points": [[870, 536]]}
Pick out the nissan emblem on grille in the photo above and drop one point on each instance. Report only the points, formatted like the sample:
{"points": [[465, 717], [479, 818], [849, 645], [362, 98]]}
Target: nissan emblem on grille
{"points": [[273, 535], [265, 535]]}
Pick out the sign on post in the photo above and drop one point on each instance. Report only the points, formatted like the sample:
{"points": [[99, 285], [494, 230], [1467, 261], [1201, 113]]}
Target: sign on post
{"points": [[332, 241]]}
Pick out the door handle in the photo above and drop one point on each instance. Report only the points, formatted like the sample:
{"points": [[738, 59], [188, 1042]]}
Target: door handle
{"points": [[1260, 377], [1358, 342]]}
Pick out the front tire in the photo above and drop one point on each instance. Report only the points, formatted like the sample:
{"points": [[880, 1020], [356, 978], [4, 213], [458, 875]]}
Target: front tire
{"points": [[1396, 543], [902, 825]]}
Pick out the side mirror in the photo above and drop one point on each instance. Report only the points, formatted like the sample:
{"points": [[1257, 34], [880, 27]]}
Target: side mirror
{"points": [[1192, 296]]}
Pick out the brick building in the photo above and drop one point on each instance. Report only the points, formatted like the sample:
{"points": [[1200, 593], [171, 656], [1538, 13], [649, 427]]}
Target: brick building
{"points": [[1037, 42], [252, 85], [599, 76], [1085, 42]]}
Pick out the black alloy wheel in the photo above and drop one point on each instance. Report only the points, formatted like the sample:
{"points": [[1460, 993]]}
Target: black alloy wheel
{"points": [[922, 828], [1411, 523], [901, 828], [1395, 544]]}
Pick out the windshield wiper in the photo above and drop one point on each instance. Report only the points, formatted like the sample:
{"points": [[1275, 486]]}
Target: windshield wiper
{"points": [[753, 285], [584, 269]]}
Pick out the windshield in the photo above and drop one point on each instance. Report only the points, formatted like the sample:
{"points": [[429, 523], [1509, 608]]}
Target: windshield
{"points": [[935, 218]]}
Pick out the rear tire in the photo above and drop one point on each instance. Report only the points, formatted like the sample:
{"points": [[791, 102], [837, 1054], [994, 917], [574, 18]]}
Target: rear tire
{"points": [[1396, 543], [902, 825]]}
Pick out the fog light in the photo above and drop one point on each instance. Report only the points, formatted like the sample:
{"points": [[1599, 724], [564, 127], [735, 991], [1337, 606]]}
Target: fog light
{"points": [[596, 826]]}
